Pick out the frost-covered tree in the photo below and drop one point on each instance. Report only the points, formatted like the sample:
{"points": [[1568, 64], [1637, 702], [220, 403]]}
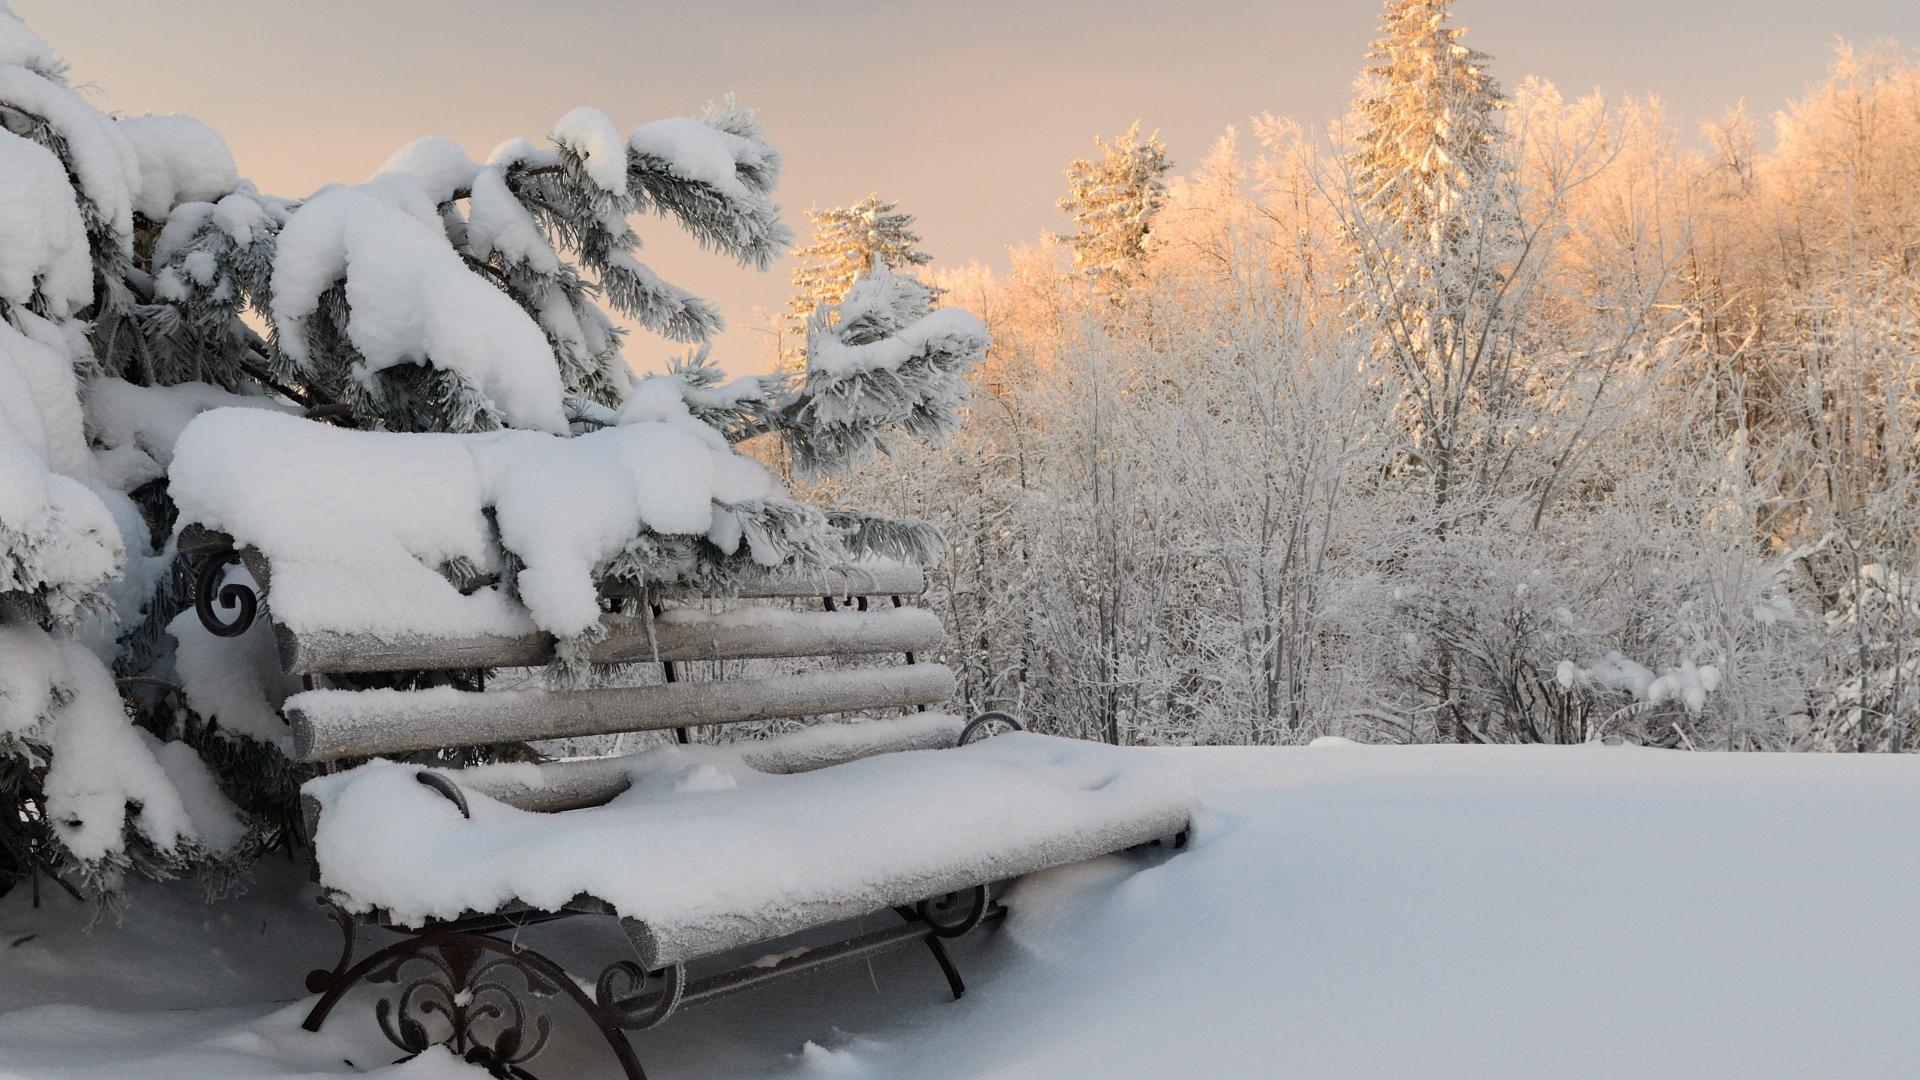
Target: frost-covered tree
{"points": [[1431, 138], [1431, 220], [143, 282], [845, 242], [85, 794], [1112, 199]]}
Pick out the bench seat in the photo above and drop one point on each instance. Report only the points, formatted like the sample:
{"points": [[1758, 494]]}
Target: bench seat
{"points": [[702, 853]]}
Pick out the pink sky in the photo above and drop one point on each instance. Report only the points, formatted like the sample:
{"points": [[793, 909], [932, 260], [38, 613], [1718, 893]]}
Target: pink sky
{"points": [[965, 112]]}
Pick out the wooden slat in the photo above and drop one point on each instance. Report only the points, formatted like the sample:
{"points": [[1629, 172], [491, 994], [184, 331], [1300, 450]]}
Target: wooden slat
{"points": [[330, 724], [684, 634], [890, 579]]}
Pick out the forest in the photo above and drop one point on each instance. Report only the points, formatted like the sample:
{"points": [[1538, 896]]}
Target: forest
{"points": [[1481, 415]]}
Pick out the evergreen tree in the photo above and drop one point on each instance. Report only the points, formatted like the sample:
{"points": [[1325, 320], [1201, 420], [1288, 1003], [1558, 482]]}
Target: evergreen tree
{"points": [[1431, 140], [441, 294], [845, 244], [1112, 200], [85, 794], [1432, 224]]}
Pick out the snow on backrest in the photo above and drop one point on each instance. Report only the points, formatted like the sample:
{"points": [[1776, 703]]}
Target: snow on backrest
{"points": [[357, 526]]}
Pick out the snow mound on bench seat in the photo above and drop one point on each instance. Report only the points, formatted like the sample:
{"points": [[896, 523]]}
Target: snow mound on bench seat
{"points": [[356, 525], [710, 854]]}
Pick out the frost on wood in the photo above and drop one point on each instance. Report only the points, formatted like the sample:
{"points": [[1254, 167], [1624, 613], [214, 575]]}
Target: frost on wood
{"points": [[577, 782], [332, 724], [719, 854]]}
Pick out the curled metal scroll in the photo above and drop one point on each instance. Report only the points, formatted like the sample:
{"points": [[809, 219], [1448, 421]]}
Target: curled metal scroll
{"points": [[320, 979], [208, 591], [624, 994]]}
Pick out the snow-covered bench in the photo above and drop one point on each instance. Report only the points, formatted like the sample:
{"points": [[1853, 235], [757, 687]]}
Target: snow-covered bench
{"points": [[722, 863]]}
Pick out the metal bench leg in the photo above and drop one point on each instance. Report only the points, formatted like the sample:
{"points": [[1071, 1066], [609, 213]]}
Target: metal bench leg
{"points": [[457, 980], [938, 948], [946, 920]]}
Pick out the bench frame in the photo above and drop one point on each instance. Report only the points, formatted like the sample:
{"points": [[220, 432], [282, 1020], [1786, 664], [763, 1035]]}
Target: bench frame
{"points": [[472, 977]]}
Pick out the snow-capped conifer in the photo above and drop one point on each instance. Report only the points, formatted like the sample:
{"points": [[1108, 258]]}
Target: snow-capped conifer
{"points": [[881, 360], [1112, 200], [1432, 139], [143, 281], [1433, 226], [85, 794], [846, 241]]}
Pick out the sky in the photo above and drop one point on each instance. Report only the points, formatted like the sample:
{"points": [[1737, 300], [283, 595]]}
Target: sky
{"points": [[965, 112]]}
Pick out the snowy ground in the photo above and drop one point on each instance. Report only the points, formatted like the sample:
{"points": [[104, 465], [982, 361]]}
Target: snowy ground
{"points": [[1345, 912]]}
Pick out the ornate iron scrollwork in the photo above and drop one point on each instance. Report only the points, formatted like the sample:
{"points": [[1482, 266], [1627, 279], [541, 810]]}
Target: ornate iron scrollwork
{"points": [[320, 979], [623, 993], [485, 998], [209, 590], [458, 997]]}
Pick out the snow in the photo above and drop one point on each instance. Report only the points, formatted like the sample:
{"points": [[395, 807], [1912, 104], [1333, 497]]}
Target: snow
{"points": [[442, 169], [693, 150], [727, 846], [1688, 684], [215, 824], [57, 536], [521, 151], [591, 134], [355, 524], [235, 682], [181, 160], [108, 168], [1345, 913], [951, 330], [239, 215], [29, 672], [136, 427], [43, 245], [412, 299], [497, 223], [20, 46], [104, 777]]}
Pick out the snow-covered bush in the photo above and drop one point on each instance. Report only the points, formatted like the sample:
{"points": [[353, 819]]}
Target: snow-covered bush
{"points": [[143, 283]]}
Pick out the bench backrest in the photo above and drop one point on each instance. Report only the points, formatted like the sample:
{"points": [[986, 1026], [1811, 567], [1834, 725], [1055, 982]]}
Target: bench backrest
{"points": [[864, 618]]}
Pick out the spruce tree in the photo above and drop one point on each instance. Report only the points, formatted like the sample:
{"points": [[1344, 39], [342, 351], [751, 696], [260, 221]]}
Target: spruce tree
{"points": [[846, 242], [1112, 200], [1431, 140], [87, 795], [142, 281], [1431, 222], [1430, 217]]}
